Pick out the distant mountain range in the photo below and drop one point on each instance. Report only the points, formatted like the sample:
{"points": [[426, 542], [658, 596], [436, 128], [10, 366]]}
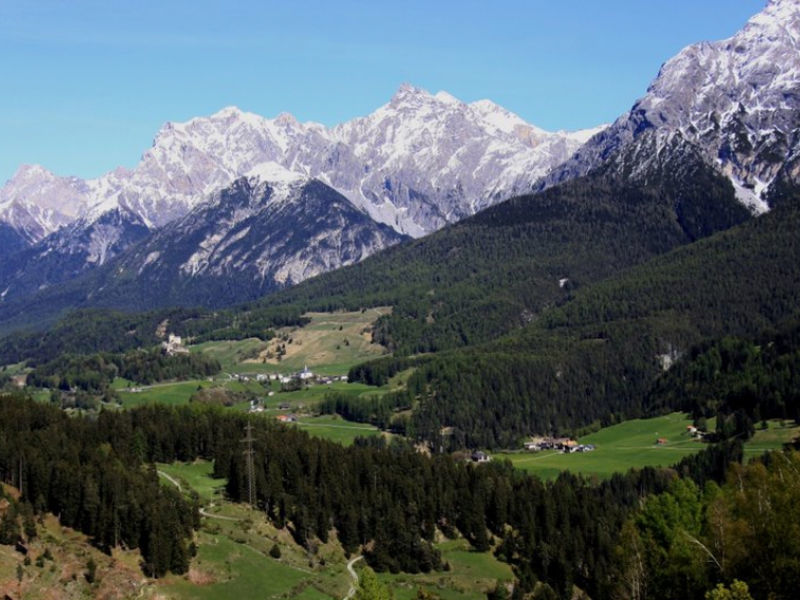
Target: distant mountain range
{"points": [[226, 208], [417, 163], [414, 165]]}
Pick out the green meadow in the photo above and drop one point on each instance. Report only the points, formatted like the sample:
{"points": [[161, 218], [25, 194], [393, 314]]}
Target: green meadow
{"points": [[336, 429], [197, 476], [618, 448], [471, 575], [330, 344], [162, 393], [632, 444]]}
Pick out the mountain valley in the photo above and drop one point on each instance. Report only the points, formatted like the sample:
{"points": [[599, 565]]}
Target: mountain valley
{"points": [[434, 352]]}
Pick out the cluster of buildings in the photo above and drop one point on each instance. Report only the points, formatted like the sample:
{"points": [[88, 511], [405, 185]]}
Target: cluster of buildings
{"points": [[304, 376], [562, 444], [696, 433], [174, 345]]}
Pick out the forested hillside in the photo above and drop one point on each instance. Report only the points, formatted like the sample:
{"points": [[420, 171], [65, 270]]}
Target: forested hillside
{"points": [[740, 381], [489, 274], [99, 330], [595, 357], [494, 272], [94, 373], [389, 501]]}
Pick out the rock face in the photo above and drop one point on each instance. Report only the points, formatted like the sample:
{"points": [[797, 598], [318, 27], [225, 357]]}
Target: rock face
{"points": [[71, 251], [269, 229], [36, 203], [736, 100], [416, 163]]}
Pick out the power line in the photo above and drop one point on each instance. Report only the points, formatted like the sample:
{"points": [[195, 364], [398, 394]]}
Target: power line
{"points": [[249, 455]]}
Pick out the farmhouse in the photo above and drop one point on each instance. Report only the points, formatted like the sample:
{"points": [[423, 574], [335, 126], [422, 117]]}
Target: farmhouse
{"points": [[480, 457]]}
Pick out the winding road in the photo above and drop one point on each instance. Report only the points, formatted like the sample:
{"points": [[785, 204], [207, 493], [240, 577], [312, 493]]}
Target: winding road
{"points": [[352, 591]]}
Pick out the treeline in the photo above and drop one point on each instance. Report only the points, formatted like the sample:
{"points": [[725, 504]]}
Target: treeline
{"points": [[89, 331], [75, 469], [96, 372]]}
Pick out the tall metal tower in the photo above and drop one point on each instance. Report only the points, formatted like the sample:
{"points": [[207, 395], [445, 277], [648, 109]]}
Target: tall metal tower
{"points": [[249, 455]]}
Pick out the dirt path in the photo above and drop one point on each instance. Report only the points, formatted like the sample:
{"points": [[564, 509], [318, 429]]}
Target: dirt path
{"points": [[202, 510], [205, 513], [352, 591], [172, 480]]}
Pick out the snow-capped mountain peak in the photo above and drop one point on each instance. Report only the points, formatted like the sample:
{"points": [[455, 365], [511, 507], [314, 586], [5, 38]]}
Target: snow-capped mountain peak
{"points": [[415, 164], [418, 162], [737, 99], [282, 182], [780, 17], [494, 115], [36, 202]]}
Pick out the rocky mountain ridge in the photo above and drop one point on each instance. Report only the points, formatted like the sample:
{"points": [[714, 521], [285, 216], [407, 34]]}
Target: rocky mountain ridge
{"points": [[415, 164], [737, 100]]}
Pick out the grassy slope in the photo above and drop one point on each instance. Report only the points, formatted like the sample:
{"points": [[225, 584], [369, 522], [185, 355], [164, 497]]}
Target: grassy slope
{"points": [[197, 476], [232, 564], [632, 444], [774, 437], [619, 448], [238, 572], [166, 393], [62, 577], [336, 429], [330, 344], [232, 559], [471, 575]]}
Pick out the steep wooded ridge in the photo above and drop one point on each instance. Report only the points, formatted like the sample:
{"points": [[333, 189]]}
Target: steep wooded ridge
{"points": [[596, 357], [496, 271]]}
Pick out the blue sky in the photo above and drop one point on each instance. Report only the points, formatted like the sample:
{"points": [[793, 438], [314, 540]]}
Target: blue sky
{"points": [[85, 85]]}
